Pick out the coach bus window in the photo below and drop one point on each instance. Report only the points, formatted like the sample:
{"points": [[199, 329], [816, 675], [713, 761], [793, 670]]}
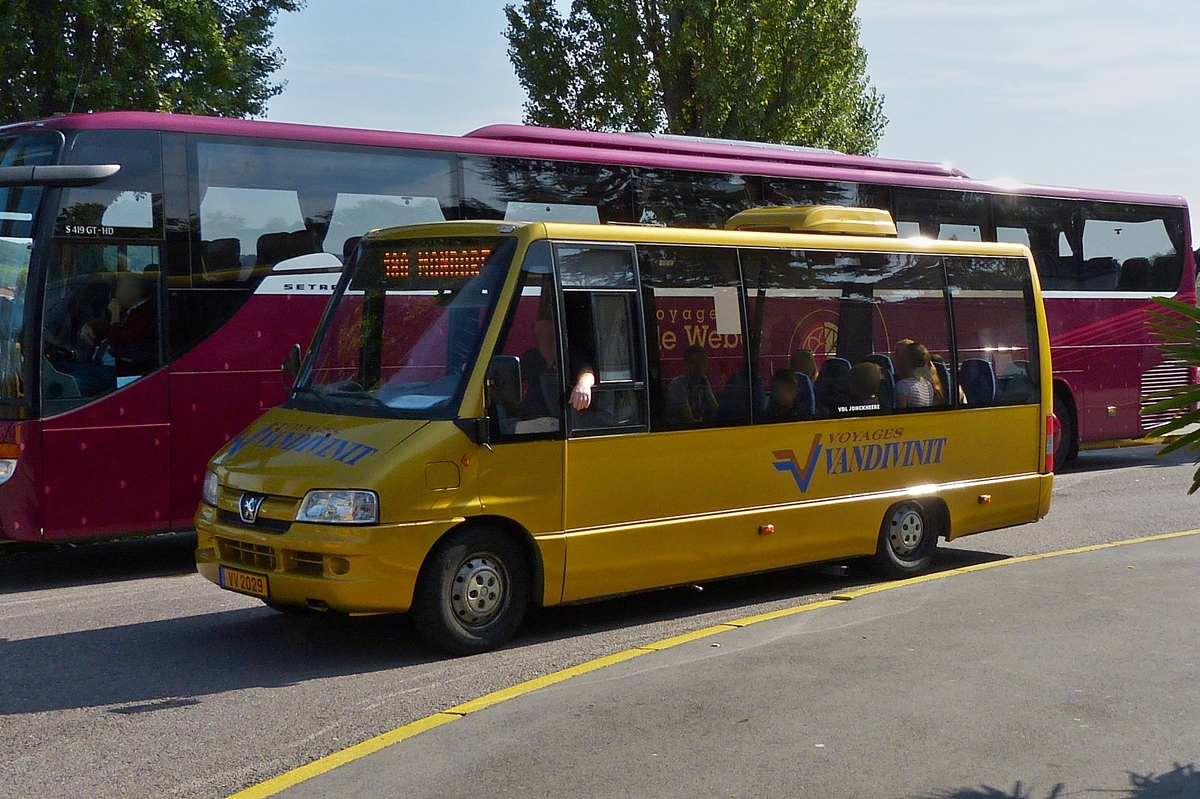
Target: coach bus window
{"points": [[1050, 228], [995, 330], [531, 336], [699, 376], [694, 199], [603, 337], [948, 215], [264, 202], [780, 191], [1128, 248], [491, 184], [101, 321], [848, 312], [128, 205]]}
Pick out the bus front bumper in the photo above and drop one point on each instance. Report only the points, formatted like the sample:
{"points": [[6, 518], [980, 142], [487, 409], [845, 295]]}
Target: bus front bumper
{"points": [[349, 569]]}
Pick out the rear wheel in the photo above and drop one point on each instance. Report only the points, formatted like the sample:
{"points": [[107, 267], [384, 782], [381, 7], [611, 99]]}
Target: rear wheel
{"points": [[907, 542], [472, 592], [1067, 447]]}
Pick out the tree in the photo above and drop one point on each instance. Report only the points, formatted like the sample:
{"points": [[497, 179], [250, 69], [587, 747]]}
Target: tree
{"points": [[187, 56], [787, 71]]}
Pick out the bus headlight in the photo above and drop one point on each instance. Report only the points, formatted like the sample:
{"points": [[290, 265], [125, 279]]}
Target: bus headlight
{"points": [[339, 507], [212, 489], [8, 461], [7, 467]]}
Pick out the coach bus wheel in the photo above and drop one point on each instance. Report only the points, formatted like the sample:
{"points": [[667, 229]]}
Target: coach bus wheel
{"points": [[472, 592], [1068, 446], [906, 542]]}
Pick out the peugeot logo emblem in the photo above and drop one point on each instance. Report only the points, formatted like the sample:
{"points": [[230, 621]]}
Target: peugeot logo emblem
{"points": [[248, 507]]}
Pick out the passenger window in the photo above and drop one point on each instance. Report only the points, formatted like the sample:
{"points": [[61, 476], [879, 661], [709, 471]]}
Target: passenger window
{"points": [[694, 199], [995, 331], [530, 191], [834, 333], [102, 321], [947, 215], [532, 407], [1130, 249], [603, 338], [1050, 228], [698, 371], [780, 191]]}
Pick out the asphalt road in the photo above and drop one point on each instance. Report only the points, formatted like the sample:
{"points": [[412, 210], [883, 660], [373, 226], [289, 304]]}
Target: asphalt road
{"points": [[1076, 673], [122, 673]]}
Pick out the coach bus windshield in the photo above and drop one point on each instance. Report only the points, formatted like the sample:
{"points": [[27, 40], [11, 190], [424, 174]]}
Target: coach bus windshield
{"points": [[405, 327], [18, 209]]}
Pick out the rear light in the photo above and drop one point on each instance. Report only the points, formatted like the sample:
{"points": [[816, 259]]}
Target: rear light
{"points": [[9, 453], [1053, 431]]}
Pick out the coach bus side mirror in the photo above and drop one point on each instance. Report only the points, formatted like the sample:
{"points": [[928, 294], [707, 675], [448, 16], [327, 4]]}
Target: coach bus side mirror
{"points": [[504, 382], [291, 367]]}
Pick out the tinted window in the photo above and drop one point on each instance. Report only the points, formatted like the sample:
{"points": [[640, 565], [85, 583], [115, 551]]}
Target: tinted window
{"points": [[946, 215], [1051, 229], [532, 190], [698, 370], [128, 205], [694, 199], [995, 330], [780, 191], [828, 329], [1131, 248]]}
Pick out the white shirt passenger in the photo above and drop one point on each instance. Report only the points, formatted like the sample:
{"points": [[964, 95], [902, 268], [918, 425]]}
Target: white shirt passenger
{"points": [[917, 391]]}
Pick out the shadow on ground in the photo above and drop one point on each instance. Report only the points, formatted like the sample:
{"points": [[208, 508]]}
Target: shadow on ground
{"points": [[163, 663], [1181, 782]]}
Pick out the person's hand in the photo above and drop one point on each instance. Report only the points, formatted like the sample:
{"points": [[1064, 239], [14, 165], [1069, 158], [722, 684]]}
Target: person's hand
{"points": [[114, 311], [88, 335], [581, 394]]}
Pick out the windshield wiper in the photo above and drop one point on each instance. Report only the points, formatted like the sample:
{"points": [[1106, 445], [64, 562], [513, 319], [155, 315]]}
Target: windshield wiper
{"points": [[360, 396]]}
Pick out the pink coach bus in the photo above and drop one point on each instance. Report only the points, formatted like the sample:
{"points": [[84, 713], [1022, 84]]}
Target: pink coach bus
{"points": [[155, 269]]}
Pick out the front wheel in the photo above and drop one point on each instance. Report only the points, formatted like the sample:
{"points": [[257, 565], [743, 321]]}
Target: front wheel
{"points": [[906, 542], [472, 592]]}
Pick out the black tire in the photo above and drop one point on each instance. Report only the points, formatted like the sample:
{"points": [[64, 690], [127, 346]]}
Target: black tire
{"points": [[907, 542], [290, 610], [1068, 442], [472, 592]]}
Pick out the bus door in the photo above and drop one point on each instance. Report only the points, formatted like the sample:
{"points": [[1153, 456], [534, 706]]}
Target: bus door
{"points": [[645, 508]]}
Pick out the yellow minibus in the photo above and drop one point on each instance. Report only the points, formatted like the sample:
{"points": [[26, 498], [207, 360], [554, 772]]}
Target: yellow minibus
{"points": [[494, 414]]}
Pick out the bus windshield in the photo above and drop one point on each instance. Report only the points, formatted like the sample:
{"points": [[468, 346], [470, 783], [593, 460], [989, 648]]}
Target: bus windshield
{"points": [[405, 327], [18, 209]]}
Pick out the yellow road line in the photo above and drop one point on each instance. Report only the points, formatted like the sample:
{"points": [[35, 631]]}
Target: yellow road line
{"points": [[328, 763]]}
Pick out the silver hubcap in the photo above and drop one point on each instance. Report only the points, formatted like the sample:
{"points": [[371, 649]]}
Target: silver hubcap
{"points": [[480, 590], [906, 530]]}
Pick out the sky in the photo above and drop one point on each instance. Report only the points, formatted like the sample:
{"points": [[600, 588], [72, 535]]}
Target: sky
{"points": [[1089, 93]]}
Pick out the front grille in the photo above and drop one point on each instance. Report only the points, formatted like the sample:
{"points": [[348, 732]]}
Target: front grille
{"points": [[1166, 376], [262, 524], [253, 555], [310, 563]]}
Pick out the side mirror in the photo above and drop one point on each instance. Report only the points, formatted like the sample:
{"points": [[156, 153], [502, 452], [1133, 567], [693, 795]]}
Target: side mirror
{"points": [[291, 367], [504, 381]]}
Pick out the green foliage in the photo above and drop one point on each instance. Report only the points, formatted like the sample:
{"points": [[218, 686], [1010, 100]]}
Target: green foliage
{"points": [[187, 56], [788, 71], [1178, 328]]}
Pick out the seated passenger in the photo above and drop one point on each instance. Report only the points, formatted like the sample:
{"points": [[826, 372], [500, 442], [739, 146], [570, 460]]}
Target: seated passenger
{"points": [[939, 390], [865, 380], [781, 404], [690, 398], [805, 363], [123, 342], [914, 389]]}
